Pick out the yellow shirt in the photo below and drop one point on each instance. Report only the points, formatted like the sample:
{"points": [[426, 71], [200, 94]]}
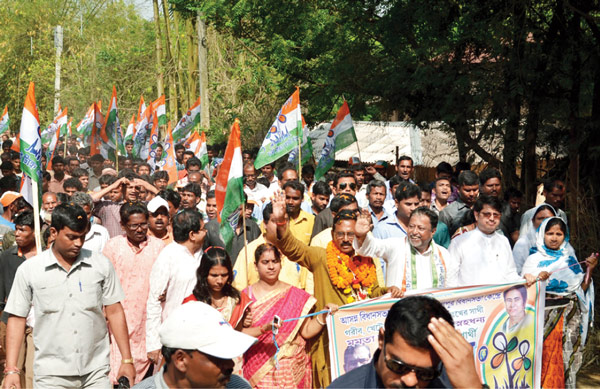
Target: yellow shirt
{"points": [[291, 273], [301, 227]]}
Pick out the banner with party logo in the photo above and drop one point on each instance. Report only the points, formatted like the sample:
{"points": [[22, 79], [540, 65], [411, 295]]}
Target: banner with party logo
{"points": [[503, 323]]}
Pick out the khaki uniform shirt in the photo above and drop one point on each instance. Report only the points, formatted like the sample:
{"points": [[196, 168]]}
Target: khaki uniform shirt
{"points": [[71, 334]]}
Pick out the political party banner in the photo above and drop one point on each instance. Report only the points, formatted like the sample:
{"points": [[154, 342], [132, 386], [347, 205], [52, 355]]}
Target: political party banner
{"points": [[503, 323]]}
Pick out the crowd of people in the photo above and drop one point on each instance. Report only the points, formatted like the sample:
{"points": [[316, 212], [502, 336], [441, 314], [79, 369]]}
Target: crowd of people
{"points": [[135, 282]]}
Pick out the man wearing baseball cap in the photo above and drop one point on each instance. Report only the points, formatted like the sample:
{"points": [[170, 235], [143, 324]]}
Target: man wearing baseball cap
{"points": [[198, 345], [9, 202], [158, 219]]}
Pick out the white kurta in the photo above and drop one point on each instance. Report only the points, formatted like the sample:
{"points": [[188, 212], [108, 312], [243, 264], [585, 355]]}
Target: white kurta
{"points": [[396, 252], [173, 272], [483, 259]]}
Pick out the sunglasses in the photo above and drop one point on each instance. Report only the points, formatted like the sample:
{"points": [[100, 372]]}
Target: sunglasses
{"points": [[343, 185], [401, 368]]}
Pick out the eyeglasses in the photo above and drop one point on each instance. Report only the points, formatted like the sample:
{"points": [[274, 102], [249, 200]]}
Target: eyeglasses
{"points": [[136, 226], [491, 215], [343, 185], [347, 235], [401, 368]]}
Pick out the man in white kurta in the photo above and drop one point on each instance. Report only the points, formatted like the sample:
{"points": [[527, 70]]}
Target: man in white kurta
{"points": [[484, 255], [414, 261], [173, 275]]}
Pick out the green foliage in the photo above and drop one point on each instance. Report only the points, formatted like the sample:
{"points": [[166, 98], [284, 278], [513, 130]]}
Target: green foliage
{"points": [[103, 45]]}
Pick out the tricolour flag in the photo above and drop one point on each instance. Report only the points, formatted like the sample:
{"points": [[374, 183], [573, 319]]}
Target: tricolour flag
{"points": [[130, 129], [341, 134], [141, 108], [307, 148], [283, 135], [229, 190], [84, 127], [95, 137], [169, 164], [50, 152], [111, 129], [187, 122], [31, 146], [142, 132], [4, 121], [161, 111], [56, 124]]}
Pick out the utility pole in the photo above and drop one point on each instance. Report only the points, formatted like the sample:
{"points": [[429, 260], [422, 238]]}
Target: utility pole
{"points": [[58, 45], [203, 72]]}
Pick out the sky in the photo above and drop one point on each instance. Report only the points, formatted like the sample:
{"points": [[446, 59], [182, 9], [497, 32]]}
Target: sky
{"points": [[144, 7]]}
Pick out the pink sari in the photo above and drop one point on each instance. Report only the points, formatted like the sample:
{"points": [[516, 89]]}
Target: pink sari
{"points": [[294, 361]]}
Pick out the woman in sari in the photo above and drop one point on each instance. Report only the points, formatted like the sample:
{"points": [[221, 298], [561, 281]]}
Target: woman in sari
{"points": [[527, 242], [569, 302], [292, 367]]}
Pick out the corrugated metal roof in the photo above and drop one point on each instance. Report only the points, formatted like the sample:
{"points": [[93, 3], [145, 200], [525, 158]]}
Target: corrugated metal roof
{"points": [[377, 141]]}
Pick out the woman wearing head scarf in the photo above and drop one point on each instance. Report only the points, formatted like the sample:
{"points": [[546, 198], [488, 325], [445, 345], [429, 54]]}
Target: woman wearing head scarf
{"points": [[569, 301], [525, 245]]}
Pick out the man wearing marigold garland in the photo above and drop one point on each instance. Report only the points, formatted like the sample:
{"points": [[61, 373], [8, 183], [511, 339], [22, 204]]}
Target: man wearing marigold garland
{"points": [[340, 277], [414, 261]]}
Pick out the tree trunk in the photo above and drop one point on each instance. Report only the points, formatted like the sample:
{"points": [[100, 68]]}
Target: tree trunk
{"points": [[170, 66], [203, 70], [192, 61], [574, 123], [184, 95], [160, 83]]}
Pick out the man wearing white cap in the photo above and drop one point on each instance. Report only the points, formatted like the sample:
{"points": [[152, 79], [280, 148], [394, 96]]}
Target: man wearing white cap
{"points": [[198, 345], [158, 220]]}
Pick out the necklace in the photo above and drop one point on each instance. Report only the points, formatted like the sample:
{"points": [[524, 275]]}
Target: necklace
{"points": [[222, 301]]}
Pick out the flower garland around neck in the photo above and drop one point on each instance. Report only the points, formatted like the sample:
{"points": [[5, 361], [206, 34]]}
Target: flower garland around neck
{"points": [[354, 276]]}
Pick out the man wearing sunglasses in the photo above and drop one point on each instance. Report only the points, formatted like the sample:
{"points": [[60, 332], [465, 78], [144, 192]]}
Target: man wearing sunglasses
{"points": [[418, 342]]}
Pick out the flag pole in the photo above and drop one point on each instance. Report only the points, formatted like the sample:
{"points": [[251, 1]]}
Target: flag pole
{"points": [[245, 243], [65, 153], [358, 147], [36, 216]]}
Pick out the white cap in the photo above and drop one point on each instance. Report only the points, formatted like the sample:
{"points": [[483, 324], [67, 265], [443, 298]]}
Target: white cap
{"points": [[156, 203], [198, 326]]}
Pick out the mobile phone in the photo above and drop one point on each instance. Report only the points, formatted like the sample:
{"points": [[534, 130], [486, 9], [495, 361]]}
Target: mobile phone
{"points": [[276, 324]]}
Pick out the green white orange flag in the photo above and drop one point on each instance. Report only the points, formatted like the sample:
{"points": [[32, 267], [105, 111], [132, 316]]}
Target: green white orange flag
{"points": [[197, 144], [307, 148], [95, 138], [30, 146], [187, 122], [283, 135], [161, 111], [51, 150], [56, 124], [4, 121], [341, 134], [229, 190], [62, 123], [169, 164], [141, 108], [84, 127], [130, 129], [111, 129]]}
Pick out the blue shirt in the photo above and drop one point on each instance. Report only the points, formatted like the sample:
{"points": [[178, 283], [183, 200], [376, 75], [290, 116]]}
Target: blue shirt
{"points": [[384, 217], [7, 223]]}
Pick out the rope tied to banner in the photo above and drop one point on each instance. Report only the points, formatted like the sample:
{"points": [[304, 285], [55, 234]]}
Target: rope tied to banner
{"points": [[273, 330]]}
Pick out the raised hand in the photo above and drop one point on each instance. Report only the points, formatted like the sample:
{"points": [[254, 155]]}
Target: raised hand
{"points": [[363, 224], [455, 352], [279, 207]]}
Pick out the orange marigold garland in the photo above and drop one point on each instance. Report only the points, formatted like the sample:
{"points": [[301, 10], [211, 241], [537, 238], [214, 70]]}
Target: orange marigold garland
{"points": [[355, 276]]}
